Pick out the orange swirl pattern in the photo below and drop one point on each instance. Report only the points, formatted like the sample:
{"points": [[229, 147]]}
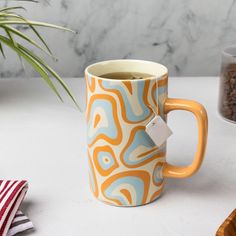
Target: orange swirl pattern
{"points": [[156, 194], [110, 130], [117, 188], [157, 174], [92, 178], [145, 153], [104, 160], [125, 165], [128, 96]]}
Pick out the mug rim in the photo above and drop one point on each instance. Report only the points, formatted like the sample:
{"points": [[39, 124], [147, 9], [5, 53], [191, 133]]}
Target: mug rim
{"points": [[162, 70]]}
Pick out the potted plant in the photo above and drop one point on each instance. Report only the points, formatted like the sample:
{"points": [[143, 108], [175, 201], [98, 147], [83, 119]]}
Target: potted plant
{"points": [[9, 19]]}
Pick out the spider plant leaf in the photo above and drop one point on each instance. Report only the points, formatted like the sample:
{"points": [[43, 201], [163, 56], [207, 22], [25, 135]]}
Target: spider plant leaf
{"points": [[34, 23], [52, 72], [12, 16], [28, 39], [10, 36], [5, 9], [2, 52], [38, 35], [41, 38], [35, 1], [35, 64], [14, 43], [31, 25]]}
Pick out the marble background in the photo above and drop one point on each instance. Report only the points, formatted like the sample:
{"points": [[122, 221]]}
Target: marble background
{"points": [[185, 35]]}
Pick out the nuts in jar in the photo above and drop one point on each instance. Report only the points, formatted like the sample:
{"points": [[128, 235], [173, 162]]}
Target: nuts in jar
{"points": [[227, 100]]}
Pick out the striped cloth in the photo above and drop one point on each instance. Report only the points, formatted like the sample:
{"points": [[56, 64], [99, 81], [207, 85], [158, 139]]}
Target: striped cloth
{"points": [[20, 224], [12, 221]]}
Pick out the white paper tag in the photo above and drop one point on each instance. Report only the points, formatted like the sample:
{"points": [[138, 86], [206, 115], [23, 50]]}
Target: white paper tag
{"points": [[158, 130]]}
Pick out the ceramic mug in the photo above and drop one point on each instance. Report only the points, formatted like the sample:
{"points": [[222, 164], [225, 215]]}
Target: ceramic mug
{"points": [[126, 167]]}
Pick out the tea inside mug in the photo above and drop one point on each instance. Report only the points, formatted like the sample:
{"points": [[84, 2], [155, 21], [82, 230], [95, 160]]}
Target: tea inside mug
{"points": [[126, 75]]}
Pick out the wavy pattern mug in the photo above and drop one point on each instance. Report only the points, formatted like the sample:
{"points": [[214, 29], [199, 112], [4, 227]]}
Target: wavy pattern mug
{"points": [[126, 167]]}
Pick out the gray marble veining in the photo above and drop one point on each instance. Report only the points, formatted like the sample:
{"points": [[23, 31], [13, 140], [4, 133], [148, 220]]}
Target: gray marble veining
{"points": [[186, 36]]}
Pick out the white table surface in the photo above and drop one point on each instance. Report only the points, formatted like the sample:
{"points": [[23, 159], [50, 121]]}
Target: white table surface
{"points": [[44, 141]]}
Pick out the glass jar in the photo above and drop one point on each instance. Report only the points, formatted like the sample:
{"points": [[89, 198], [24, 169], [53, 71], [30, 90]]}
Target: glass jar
{"points": [[227, 99]]}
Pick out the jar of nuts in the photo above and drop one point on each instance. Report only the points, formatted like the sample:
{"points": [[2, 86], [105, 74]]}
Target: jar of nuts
{"points": [[227, 99]]}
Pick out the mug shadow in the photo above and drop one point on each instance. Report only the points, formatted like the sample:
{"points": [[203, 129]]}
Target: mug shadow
{"points": [[206, 184], [192, 186]]}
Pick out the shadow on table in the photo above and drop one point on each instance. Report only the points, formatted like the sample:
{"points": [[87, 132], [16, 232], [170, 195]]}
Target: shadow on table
{"points": [[207, 183], [28, 232], [26, 205]]}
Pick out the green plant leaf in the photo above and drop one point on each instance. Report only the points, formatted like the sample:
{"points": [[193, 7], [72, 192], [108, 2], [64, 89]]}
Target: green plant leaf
{"points": [[12, 16], [31, 24], [2, 52], [53, 73], [7, 18], [36, 65], [10, 36], [34, 1], [34, 23], [13, 41], [11, 8], [41, 38], [28, 39]]}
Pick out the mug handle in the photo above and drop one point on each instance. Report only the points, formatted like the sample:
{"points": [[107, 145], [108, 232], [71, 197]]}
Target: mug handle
{"points": [[171, 171]]}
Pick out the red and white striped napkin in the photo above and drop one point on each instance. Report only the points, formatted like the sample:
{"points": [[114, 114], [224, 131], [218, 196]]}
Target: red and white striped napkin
{"points": [[12, 221]]}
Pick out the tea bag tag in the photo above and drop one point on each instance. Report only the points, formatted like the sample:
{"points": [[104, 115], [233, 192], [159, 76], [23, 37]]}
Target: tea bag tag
{"points": [[158, 130]]}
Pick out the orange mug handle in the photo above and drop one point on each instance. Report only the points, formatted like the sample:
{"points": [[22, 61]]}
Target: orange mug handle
{"points": [[171, 171]]}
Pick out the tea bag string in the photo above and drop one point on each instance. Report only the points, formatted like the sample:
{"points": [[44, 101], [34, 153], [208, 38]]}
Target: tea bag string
{"points": [[155, 111], [152, 108]]}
